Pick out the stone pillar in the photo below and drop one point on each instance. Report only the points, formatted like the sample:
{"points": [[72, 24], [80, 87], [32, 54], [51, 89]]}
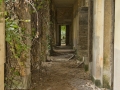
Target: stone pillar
{"points": [[98, 28], [2, 47], [74, 33], [108, 44], [117, 46]]}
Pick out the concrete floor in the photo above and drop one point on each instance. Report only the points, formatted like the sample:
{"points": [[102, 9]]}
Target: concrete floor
{"points": [[63, 74]]}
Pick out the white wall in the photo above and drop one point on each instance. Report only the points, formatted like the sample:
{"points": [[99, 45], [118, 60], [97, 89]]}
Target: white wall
{"points": [[98, 28], [117, 46]]}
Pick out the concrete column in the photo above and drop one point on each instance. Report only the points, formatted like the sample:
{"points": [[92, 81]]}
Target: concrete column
{"points": [[90, 29], [117, 46], [98, 27], [74, 33], [90, 33], [108, 45], [2, 47]]}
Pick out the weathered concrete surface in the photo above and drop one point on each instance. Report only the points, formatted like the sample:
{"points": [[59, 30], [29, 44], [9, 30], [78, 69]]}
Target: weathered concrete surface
{"points": [[98, 27], [82, 46], [76, 16], [77, 4], [2, 47], [117, 46], [108, 44]]}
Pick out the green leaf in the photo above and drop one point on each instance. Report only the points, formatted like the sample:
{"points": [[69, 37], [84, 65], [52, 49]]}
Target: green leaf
{"points": [[16, 73]]}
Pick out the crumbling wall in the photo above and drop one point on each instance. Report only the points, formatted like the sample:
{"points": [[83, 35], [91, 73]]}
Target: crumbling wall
{"points": [[41, 45], [18, 40], [53, 23], [32, 22]]}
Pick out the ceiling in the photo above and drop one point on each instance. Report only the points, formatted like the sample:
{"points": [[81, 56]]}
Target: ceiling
{"points": [[64, 3]]}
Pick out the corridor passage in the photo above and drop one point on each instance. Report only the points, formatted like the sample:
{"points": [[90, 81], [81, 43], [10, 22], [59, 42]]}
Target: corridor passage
{"points": [[63, 72]]}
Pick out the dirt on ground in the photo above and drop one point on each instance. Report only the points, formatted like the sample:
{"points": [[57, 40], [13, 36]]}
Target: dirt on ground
{"points": [[62, 73]]}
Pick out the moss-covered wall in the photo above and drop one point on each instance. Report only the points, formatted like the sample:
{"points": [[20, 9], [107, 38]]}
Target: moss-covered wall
{"points": [[18, 40]]}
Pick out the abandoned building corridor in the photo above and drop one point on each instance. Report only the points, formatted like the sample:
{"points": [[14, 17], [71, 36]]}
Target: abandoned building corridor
{"points": [[59, 44]]}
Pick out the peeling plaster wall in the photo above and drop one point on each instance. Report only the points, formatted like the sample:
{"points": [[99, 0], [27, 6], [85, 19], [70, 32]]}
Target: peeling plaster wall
{"points": [[117, 46], [98, 27]]}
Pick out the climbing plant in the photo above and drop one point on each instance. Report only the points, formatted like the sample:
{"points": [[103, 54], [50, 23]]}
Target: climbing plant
{"points": [[17, 47], [17, 37]]}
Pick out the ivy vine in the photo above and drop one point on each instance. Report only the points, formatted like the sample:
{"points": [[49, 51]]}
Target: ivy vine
{"points": [[14, 35], [17, 47]]}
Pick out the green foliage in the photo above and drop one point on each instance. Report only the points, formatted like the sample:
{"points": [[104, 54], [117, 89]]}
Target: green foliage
{"points": [[1, 1], [14, 37], [63, 27], [17, 38], [48, 42]]}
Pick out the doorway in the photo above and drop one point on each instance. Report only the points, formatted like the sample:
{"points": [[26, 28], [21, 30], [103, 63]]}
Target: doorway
{"points": [[63, 35]]}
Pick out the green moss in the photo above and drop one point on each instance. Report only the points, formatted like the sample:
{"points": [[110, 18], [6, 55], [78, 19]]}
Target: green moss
{"points": [[105, 58], [105, 61], [1, 1], [97, 82], [86, 67], [106, 82], [92, 78]]}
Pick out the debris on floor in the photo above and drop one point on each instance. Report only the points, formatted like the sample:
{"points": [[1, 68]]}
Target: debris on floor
{"points": [[61, 73]]}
